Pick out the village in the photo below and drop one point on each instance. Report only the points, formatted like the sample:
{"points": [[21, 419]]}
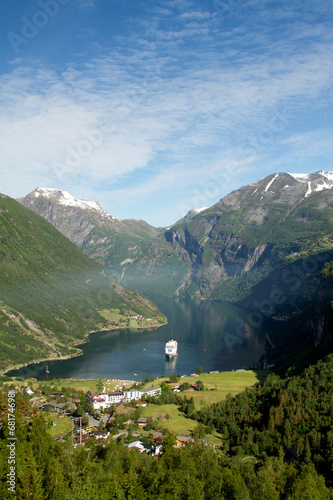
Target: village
{"points": [[140, 415], [106, 415]]}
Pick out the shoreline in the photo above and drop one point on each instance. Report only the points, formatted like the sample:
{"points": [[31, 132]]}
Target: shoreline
{"points": [[134, 329], [85, 340]]}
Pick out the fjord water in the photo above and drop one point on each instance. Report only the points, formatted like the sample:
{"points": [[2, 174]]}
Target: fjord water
{"points": [[209, 334]]}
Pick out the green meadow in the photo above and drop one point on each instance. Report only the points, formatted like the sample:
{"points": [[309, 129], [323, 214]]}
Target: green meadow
{"points": [[170, 418], [217, 385], [60, 426], [93, 385]]}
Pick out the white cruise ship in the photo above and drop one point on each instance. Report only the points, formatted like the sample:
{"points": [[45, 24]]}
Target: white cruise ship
{"points": [[171, 348]]}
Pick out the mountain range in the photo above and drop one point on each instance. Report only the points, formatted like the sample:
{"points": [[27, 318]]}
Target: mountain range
{"points": [[222, 252], [219, 252]]}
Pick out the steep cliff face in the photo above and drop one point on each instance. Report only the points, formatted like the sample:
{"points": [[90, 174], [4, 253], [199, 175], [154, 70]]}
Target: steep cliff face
{"points": [[294, 304], [223, 251]]}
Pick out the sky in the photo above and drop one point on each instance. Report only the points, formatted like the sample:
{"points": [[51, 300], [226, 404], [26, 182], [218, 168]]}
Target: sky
{"points": [[152, 108]]}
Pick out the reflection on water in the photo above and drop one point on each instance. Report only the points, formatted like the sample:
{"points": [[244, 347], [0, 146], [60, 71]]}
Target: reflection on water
{"points": [[209, 334], [170, 365]]}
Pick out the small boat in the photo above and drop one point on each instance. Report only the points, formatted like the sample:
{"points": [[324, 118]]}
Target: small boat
{"points": [[47, 369], [171, 348]]}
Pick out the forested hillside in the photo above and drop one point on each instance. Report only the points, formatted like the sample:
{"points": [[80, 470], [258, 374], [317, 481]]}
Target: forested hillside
{"points": [[50, 292], [277, 443], [291, 417]]}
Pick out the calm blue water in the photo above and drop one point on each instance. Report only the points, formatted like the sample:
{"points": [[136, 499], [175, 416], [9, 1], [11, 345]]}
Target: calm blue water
{"points": [[208, 335]]}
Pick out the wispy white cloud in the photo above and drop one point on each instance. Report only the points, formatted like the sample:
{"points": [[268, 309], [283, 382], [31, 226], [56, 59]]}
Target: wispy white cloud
{"points": [[169, 100], [87, 4], [310, 145]]}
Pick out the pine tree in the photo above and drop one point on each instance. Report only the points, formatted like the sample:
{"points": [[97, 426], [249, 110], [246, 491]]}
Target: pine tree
{"points": [[29, 479]]}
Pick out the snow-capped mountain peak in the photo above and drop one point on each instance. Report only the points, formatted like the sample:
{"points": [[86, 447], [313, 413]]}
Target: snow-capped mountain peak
{"points": [[197, 211], [190, 214], [66, 199]]}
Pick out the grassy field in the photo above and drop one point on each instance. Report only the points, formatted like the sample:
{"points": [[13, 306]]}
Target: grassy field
{"points": [[93, 385], [217, 385], [63, 425], [176, 423], [128, 320]]}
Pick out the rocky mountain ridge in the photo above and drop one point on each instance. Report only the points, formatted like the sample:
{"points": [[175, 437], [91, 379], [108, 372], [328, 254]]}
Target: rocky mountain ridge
{"points": [[104, 238]]}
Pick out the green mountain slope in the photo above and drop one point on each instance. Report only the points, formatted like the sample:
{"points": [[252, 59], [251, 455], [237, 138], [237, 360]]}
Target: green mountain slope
{"points": [[50, 292]]}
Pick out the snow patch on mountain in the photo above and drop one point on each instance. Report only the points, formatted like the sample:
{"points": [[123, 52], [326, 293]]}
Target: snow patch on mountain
{"points": [[309, 191], [321, 187], [328, 175], [66, 199], [270, 183], [198, 210], [318, 181], [46, 192]]}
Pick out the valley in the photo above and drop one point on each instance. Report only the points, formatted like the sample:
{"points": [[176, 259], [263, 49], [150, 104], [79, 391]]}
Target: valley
{"points": [[263, 247]]}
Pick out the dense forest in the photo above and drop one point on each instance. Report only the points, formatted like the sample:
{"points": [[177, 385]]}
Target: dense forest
{"points": [[277, 443]]}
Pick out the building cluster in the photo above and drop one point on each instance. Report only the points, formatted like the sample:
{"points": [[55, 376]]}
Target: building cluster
{"points": [[103, 400], [156, 449]]}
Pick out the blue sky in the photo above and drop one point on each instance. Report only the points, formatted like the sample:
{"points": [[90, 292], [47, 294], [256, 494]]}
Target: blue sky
{"points": [[155, 107]]}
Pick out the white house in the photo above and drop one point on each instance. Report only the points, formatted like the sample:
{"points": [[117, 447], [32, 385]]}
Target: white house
{"points": [[138, 393], [130, 395], [148, 448], [151, 391], [137, 444], [105, 399]]}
